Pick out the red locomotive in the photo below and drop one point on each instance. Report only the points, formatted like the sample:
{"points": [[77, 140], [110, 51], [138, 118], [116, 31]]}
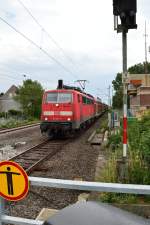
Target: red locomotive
{"points": [[67, 109]]}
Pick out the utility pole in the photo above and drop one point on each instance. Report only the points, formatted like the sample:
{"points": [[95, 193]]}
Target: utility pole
{"points": [[109, 96], [82, 83], [109, 107], [112, 97], [145, 35], [24, 77]]}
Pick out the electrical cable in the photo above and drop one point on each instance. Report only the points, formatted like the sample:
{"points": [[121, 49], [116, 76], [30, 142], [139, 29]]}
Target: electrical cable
{"points": [[9, 76], [37, 46], [48, 34]]}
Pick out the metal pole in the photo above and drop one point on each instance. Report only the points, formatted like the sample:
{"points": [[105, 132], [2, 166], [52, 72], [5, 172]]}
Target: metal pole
{"points": [[125, 87], [109, 97], [112, 97], [2, 205], [146, 70]]}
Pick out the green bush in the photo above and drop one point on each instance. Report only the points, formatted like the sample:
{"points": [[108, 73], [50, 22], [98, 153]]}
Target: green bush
{"points": [[138, 166], [145, 145], [104, 125], [118, 198], [2, 114], [114, 140], [12, 123], [13, 112], [134, 136]]}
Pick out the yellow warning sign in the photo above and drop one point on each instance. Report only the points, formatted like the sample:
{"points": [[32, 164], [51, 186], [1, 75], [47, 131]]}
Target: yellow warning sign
{"points": [[14, 182]]}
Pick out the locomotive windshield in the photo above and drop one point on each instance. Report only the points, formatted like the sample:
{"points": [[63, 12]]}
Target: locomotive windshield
{"points": [[57, 97]]}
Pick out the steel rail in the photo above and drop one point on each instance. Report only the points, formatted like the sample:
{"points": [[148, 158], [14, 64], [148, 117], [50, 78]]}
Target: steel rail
{"points": [[4, 131], [31, 158]]}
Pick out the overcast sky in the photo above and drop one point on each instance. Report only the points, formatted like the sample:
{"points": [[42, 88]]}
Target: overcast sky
{"points": [[82, 28]]}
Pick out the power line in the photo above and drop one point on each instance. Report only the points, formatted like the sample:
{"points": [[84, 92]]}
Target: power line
{"points": [[37, 46], [48, 34], [11, 77], [22, 73], [145, 36]]}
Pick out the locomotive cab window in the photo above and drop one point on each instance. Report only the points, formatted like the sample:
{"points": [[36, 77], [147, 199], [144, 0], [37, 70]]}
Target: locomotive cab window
{"points": [[51, 97], [55, 97], [84, 100], [64, 97]]}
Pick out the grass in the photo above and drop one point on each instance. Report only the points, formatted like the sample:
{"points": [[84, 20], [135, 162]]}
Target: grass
{"points": [[138, 166], [13, 123]]}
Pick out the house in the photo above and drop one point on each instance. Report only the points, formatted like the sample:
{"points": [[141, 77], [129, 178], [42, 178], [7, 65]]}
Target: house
{"points": [[7, 101], [139, 92]]}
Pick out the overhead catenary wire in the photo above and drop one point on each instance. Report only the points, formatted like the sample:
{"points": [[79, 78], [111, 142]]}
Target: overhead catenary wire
{"points": [[10, 76], [14, 77], [48, 34], [37, 46], [21, 74]]}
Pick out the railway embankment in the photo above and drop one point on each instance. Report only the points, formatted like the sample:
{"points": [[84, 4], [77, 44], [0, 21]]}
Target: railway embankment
{"points": [[134, 170]]}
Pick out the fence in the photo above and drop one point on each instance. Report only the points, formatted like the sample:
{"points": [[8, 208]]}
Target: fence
{"points": [[69, 184]]}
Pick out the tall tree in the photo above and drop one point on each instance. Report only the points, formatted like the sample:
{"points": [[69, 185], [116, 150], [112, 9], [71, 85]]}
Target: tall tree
{"points": [[117, 85], [139, 68], [29, 95]]}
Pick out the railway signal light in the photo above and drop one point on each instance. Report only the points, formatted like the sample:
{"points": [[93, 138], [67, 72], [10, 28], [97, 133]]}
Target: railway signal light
{"points": [[126, 10], [116, 7]]}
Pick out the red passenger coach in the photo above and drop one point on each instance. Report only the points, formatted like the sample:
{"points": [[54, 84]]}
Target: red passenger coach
{"points": [[67, 109]]}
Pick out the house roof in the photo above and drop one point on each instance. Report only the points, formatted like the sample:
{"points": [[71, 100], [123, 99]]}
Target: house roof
{"points": [[9, 93]]}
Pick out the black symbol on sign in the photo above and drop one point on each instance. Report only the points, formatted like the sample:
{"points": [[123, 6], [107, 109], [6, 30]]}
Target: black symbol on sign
{"points": [[9, 175]]}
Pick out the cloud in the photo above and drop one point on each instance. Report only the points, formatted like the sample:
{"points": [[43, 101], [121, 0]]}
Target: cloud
{"points": [[83, 28]]}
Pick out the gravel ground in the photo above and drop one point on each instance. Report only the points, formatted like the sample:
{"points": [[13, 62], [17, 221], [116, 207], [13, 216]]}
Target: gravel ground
{"points": [[76, 160], [30, 136]]}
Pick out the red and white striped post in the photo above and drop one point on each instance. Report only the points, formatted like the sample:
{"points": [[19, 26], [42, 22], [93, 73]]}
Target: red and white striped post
{"points": [[124, 135], [125, 88]]}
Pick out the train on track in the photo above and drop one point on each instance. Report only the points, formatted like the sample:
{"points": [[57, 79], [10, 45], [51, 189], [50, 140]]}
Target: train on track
{"points": [[68, 109]]}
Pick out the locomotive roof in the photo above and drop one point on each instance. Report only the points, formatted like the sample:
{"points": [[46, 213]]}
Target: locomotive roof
{"points": [[71, 90], [66, 87]]}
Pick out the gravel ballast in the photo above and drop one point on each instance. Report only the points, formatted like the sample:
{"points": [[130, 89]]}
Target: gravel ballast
{"points": [[76, 160], [16, 142]]}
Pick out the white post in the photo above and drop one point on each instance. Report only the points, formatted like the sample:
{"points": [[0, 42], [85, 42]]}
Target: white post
{"points": [[2, 205]]}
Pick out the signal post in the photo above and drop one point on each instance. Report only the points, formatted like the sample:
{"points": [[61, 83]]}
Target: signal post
{"points": [[124, 19], [125, 90]]}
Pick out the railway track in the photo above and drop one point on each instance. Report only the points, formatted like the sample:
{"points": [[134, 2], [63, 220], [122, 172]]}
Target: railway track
{"points": [[31, 158], [5, 130]]}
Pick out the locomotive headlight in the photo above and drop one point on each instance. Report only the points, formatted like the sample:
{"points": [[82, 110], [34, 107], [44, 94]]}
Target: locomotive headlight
{"points": [[68, 119], [46, 118]]}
